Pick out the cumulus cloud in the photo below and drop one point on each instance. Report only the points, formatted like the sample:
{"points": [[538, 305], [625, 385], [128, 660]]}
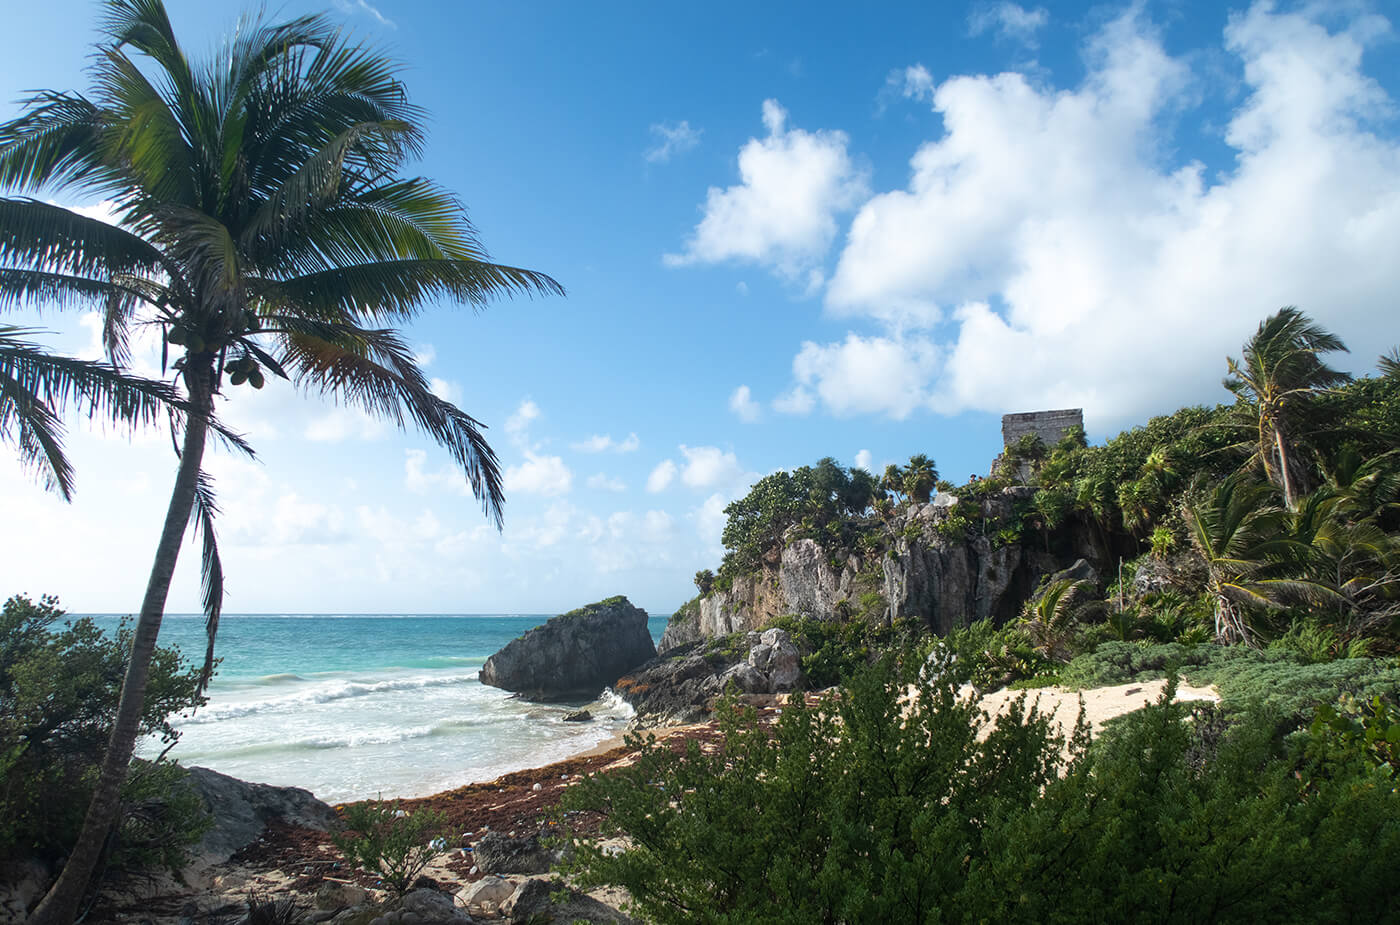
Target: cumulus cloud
{"points": [[539, 475], [518, 424], [340, 424], [603, 482], [599, 443], [782, 214], [672, 138], [662, 476], [869, 375], [711, 467], [1054, 248], [863, 460], [796, 400], [742, 404], [1010, 21]]}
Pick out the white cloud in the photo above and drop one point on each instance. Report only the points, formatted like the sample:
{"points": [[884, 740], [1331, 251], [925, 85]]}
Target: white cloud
{"points": [[662, 476], [672, 138], [340, 424], [603, 482], [1072, 262], [783, 212], [361, 6], [710, 520], [418, 479], [442, 388], [869, 375], [711, 467], [914, 82], [539, 475], [742, 404], [863, 460], [425, 355], [1010, 21], [599, 443], [518, 424], [797, 401]]}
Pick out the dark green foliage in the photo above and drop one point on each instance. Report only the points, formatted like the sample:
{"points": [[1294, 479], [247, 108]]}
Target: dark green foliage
{"points": [[833, 651], [822, 499], [385, 840], [874, 807], [58, 694]]}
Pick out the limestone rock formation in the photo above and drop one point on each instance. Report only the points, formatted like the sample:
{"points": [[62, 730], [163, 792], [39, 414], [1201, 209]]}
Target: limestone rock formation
{"points": [[575, 655], [944, 577], [536, 901], [681, 686], [242, 810], [501, 854]]}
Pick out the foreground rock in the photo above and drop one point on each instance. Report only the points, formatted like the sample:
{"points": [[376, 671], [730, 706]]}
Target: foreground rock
{"points": [[536, 902], [681, 686], [241, 811], [575, 655], [501, 854]]}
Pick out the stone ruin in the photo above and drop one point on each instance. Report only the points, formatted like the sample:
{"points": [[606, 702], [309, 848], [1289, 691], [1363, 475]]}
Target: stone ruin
{"points": [[1050, 426]]}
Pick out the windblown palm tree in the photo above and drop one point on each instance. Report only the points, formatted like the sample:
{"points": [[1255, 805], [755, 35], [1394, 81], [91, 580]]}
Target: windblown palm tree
{"points": [[1051, 619], [264, 227], [1252, 562], [1280, 369], [920, 477]]}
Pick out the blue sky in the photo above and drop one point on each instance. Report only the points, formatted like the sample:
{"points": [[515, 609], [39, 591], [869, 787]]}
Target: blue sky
{"points": [[787, 231]]}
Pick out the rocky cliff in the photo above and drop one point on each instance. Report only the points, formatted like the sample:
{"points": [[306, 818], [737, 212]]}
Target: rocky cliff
{"points": [[575, 655], [946, 563]]}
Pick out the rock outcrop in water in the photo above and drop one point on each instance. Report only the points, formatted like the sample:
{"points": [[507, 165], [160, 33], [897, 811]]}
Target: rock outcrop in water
{"points": [[575, 655]]}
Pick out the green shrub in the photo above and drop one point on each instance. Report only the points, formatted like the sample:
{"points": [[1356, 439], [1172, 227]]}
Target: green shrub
{"points": [[58, 696], [873, 806], [834, 650], [1273, 678], [385, 840]]}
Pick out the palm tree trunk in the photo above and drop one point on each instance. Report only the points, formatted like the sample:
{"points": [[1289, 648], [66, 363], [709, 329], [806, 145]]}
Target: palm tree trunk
{"points": [[60, 905], [1290, 498]]}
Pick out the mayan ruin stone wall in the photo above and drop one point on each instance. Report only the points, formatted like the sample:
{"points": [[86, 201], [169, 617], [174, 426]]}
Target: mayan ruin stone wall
{"points": [[1049, 426]]}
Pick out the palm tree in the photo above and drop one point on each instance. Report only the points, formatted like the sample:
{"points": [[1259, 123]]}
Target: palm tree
{"points": [[1280, 370], [1389, 363], [1050, 619], [1252, 563], [264, 227], [920, 476], [893, 481]]}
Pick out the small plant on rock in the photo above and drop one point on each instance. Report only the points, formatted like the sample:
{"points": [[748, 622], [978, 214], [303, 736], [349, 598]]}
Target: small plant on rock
{"points": [[385, 840]]}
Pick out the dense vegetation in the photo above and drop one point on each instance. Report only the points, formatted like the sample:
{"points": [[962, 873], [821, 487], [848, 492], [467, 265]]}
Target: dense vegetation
{"points": [[1254, 546], [58, 694], [871, 806]]}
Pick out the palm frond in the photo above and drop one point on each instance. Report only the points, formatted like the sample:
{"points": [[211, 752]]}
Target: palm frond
{"points": [[211, 571], [39, 236], [398, 288], [36, 432], [376, 371], [55, 142]]}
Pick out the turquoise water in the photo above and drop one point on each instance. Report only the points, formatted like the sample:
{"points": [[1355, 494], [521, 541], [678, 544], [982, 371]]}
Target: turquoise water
{"points": [[366, 705]]}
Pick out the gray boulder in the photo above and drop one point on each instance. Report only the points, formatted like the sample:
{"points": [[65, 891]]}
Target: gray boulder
{"points": [[501, 854], [422, 907], [575, 655], [681, 686], [536, 902], [242, 810]]}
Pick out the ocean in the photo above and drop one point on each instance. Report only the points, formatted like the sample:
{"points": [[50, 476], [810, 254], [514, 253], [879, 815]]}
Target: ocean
{"points": [[366, 706]]}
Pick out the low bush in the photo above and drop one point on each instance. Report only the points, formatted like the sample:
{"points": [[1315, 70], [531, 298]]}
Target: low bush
{"points": [[877, 805], [58, 696], [385, 840]]}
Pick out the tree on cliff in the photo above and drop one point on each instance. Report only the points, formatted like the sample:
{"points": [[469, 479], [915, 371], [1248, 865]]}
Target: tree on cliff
{"points": [[263, 225], [1279, 371]]}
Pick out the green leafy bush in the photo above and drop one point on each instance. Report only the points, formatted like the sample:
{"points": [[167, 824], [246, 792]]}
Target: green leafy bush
{"points": [[58, 697], [882, 805], [1273, 678], [385, 840], [832, 651]]}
